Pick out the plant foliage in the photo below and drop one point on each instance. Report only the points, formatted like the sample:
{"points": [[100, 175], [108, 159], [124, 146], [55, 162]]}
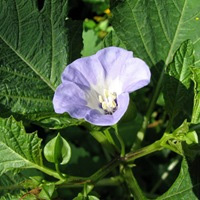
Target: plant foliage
{"points": [[152, 153]]}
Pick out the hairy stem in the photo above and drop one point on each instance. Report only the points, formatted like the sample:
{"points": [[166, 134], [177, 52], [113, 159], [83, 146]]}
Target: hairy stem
{"points": [[132, 184], [120, 140], [156, 146]]}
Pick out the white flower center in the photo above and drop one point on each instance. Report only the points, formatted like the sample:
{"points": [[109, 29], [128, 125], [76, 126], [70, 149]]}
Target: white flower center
{"points": [[108, 101]]}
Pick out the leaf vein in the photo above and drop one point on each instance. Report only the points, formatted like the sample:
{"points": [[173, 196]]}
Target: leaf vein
{"points": [[19, 27], [142, 38], [169, 55], [17, 74], [52, 43], [162, 24], [30, 65], [27, 98], [175, 4]]}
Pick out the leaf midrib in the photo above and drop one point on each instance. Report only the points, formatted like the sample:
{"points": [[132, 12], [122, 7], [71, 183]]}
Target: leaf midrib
{"points": [[141, 36], [162, 24], [22, 157], [52, 43], [181, 191], [29, 64], [28, 98], [169, 55]]}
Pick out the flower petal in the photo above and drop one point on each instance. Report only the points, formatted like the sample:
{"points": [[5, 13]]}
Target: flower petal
{"points": [[70, 98], [84, 72], [97, 118], [124, 73], [112, 60], [135, 75]]}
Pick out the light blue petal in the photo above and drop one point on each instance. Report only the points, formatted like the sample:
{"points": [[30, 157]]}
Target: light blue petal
{"points": [[70, 98]]}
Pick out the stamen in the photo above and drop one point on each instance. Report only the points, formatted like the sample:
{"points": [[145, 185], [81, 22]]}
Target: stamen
{"points": [[108, 101]]}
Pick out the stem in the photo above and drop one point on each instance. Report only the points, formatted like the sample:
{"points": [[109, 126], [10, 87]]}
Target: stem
{"points": [[110, 182], [72, 181], [50, 172], [120, 140], [101, 138], [105, 170], [109, 137], [113, 181], [58, 171], [156, 146], [132, 184]]}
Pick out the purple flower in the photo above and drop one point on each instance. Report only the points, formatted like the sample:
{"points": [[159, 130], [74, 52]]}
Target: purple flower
{"points": [[96, 88]]}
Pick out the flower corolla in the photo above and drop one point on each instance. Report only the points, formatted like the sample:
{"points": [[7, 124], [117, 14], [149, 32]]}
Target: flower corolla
{"points": [[96, 88]]}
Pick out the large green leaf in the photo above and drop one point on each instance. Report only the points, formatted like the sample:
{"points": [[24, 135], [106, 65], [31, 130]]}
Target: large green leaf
{"points": [[154, 29], [196, 108], [9, 196], [35, 47], [11, 183], [112, 40], [178, 79], [187, 184], [17, 148]]}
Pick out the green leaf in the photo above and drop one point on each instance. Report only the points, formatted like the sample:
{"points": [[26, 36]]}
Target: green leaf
{"points": [[196, 107], [91, 43], [35, 47], [111, 39], [9, 196], [57, 150], [17, 148], [82, 197], [29, 196], [181, 131], [154, 29], [191, 137], [12, 183], [180, 140], [47, 191], [53, 120], [178, 78], [187, 185]]}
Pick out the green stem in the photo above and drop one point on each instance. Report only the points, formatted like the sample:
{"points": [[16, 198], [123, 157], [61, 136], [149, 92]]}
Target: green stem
{"points": [[57, 166], [105, 170], [120, 140], [110, 182], [132, 184], [113, 181], [108, 136], [101, 138], [156, 146], [50, 172]]}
